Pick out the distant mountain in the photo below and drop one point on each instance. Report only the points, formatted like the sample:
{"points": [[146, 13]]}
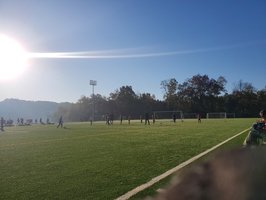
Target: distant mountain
{"points": [[15, 108]]}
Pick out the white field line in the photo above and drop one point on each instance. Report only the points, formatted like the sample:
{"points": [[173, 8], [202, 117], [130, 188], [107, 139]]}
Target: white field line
{"points": [[173, 170]]}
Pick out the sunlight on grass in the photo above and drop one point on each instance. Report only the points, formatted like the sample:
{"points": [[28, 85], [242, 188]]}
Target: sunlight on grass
{"points": [[99, 161]]}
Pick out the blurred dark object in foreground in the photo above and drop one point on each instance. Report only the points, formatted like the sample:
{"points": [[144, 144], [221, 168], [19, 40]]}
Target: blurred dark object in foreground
{"points": [[238, 174]]}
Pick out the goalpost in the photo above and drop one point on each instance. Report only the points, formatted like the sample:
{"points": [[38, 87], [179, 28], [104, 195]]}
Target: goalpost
{"points": [[168, 115], [190, 115], [216, 115], [220, 115], [230, 115]]}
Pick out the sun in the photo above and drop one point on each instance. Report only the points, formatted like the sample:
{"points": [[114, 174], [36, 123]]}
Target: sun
{"points": [[13, 58]]}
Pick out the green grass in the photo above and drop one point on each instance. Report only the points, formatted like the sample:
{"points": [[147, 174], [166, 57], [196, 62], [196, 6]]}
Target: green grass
{"points": [[100, 161], [152, 191]]}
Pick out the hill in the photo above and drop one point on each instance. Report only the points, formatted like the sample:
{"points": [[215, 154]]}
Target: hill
{"points": [[16, 108]]}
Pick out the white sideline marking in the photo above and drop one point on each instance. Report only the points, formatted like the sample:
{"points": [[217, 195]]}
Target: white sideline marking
{"points": [[175, 169]]}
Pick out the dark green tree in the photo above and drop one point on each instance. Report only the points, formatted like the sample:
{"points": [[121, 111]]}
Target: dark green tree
{"points": [[126, 100], [200, 93], [170, 88], [245, 96]]}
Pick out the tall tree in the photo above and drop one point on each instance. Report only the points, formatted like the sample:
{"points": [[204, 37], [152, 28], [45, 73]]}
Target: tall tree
{"points": [[170, 88], [261, 95], [246, 97], [199, 93], [242, 86], [125, 99]]}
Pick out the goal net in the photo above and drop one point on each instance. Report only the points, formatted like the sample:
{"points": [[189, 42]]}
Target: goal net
{"points": [[230, 115], [190, 115], [216, 115], [168, 115]]}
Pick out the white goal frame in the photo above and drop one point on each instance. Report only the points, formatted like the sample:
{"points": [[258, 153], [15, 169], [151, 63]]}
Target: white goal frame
{"points": [[169, 114], [216, 115], [190, 115], [230, 115]]}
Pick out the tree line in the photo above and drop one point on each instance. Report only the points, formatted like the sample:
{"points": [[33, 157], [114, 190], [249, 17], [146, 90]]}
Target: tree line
{"points": [[199, 94]]}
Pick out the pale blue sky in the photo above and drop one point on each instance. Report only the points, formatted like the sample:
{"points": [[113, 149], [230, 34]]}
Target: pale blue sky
{"points": [[133, 42]]}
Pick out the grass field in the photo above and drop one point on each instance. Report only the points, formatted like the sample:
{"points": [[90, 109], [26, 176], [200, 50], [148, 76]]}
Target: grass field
{"points": [[100, 161]]}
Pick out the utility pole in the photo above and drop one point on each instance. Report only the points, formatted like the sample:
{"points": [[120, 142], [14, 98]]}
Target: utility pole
{"points": [[93, 83]]}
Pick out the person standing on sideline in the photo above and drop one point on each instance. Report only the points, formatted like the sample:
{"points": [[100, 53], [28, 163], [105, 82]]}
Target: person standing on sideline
{"points": [[258, 130], [121, 119], [111, 118], [153, 118], [107, 119], [129, 118], [2, 124], [60, 123], [199, 118], [91, 120], [147, 118], [263, 117], [174, 118]]}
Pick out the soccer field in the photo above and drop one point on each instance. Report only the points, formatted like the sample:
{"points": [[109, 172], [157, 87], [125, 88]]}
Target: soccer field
{"points": [[100, 161]]}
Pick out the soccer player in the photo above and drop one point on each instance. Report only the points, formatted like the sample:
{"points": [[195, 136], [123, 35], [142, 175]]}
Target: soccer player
{"points": [[121, 119], [41, 122], [174, 118], [199, 118], [90, 120], [111, 118], [107, 119], [147, 118], [60, 123]]}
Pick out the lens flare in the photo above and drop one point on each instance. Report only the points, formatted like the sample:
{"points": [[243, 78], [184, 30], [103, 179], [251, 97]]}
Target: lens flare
{"points": [[13, 58]]}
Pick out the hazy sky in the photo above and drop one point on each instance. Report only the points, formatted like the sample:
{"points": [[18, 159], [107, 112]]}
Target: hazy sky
{"points": [[132, 42]]}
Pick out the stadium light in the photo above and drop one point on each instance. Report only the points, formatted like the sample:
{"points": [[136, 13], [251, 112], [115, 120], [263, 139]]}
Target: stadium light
{"points": [[93, 83]]}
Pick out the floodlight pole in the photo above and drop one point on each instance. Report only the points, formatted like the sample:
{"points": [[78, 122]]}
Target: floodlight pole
{"points": [[93, 83]]}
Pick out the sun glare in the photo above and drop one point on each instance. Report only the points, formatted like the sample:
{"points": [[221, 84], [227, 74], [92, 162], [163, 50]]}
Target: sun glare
{"points": [[13, 58]]}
